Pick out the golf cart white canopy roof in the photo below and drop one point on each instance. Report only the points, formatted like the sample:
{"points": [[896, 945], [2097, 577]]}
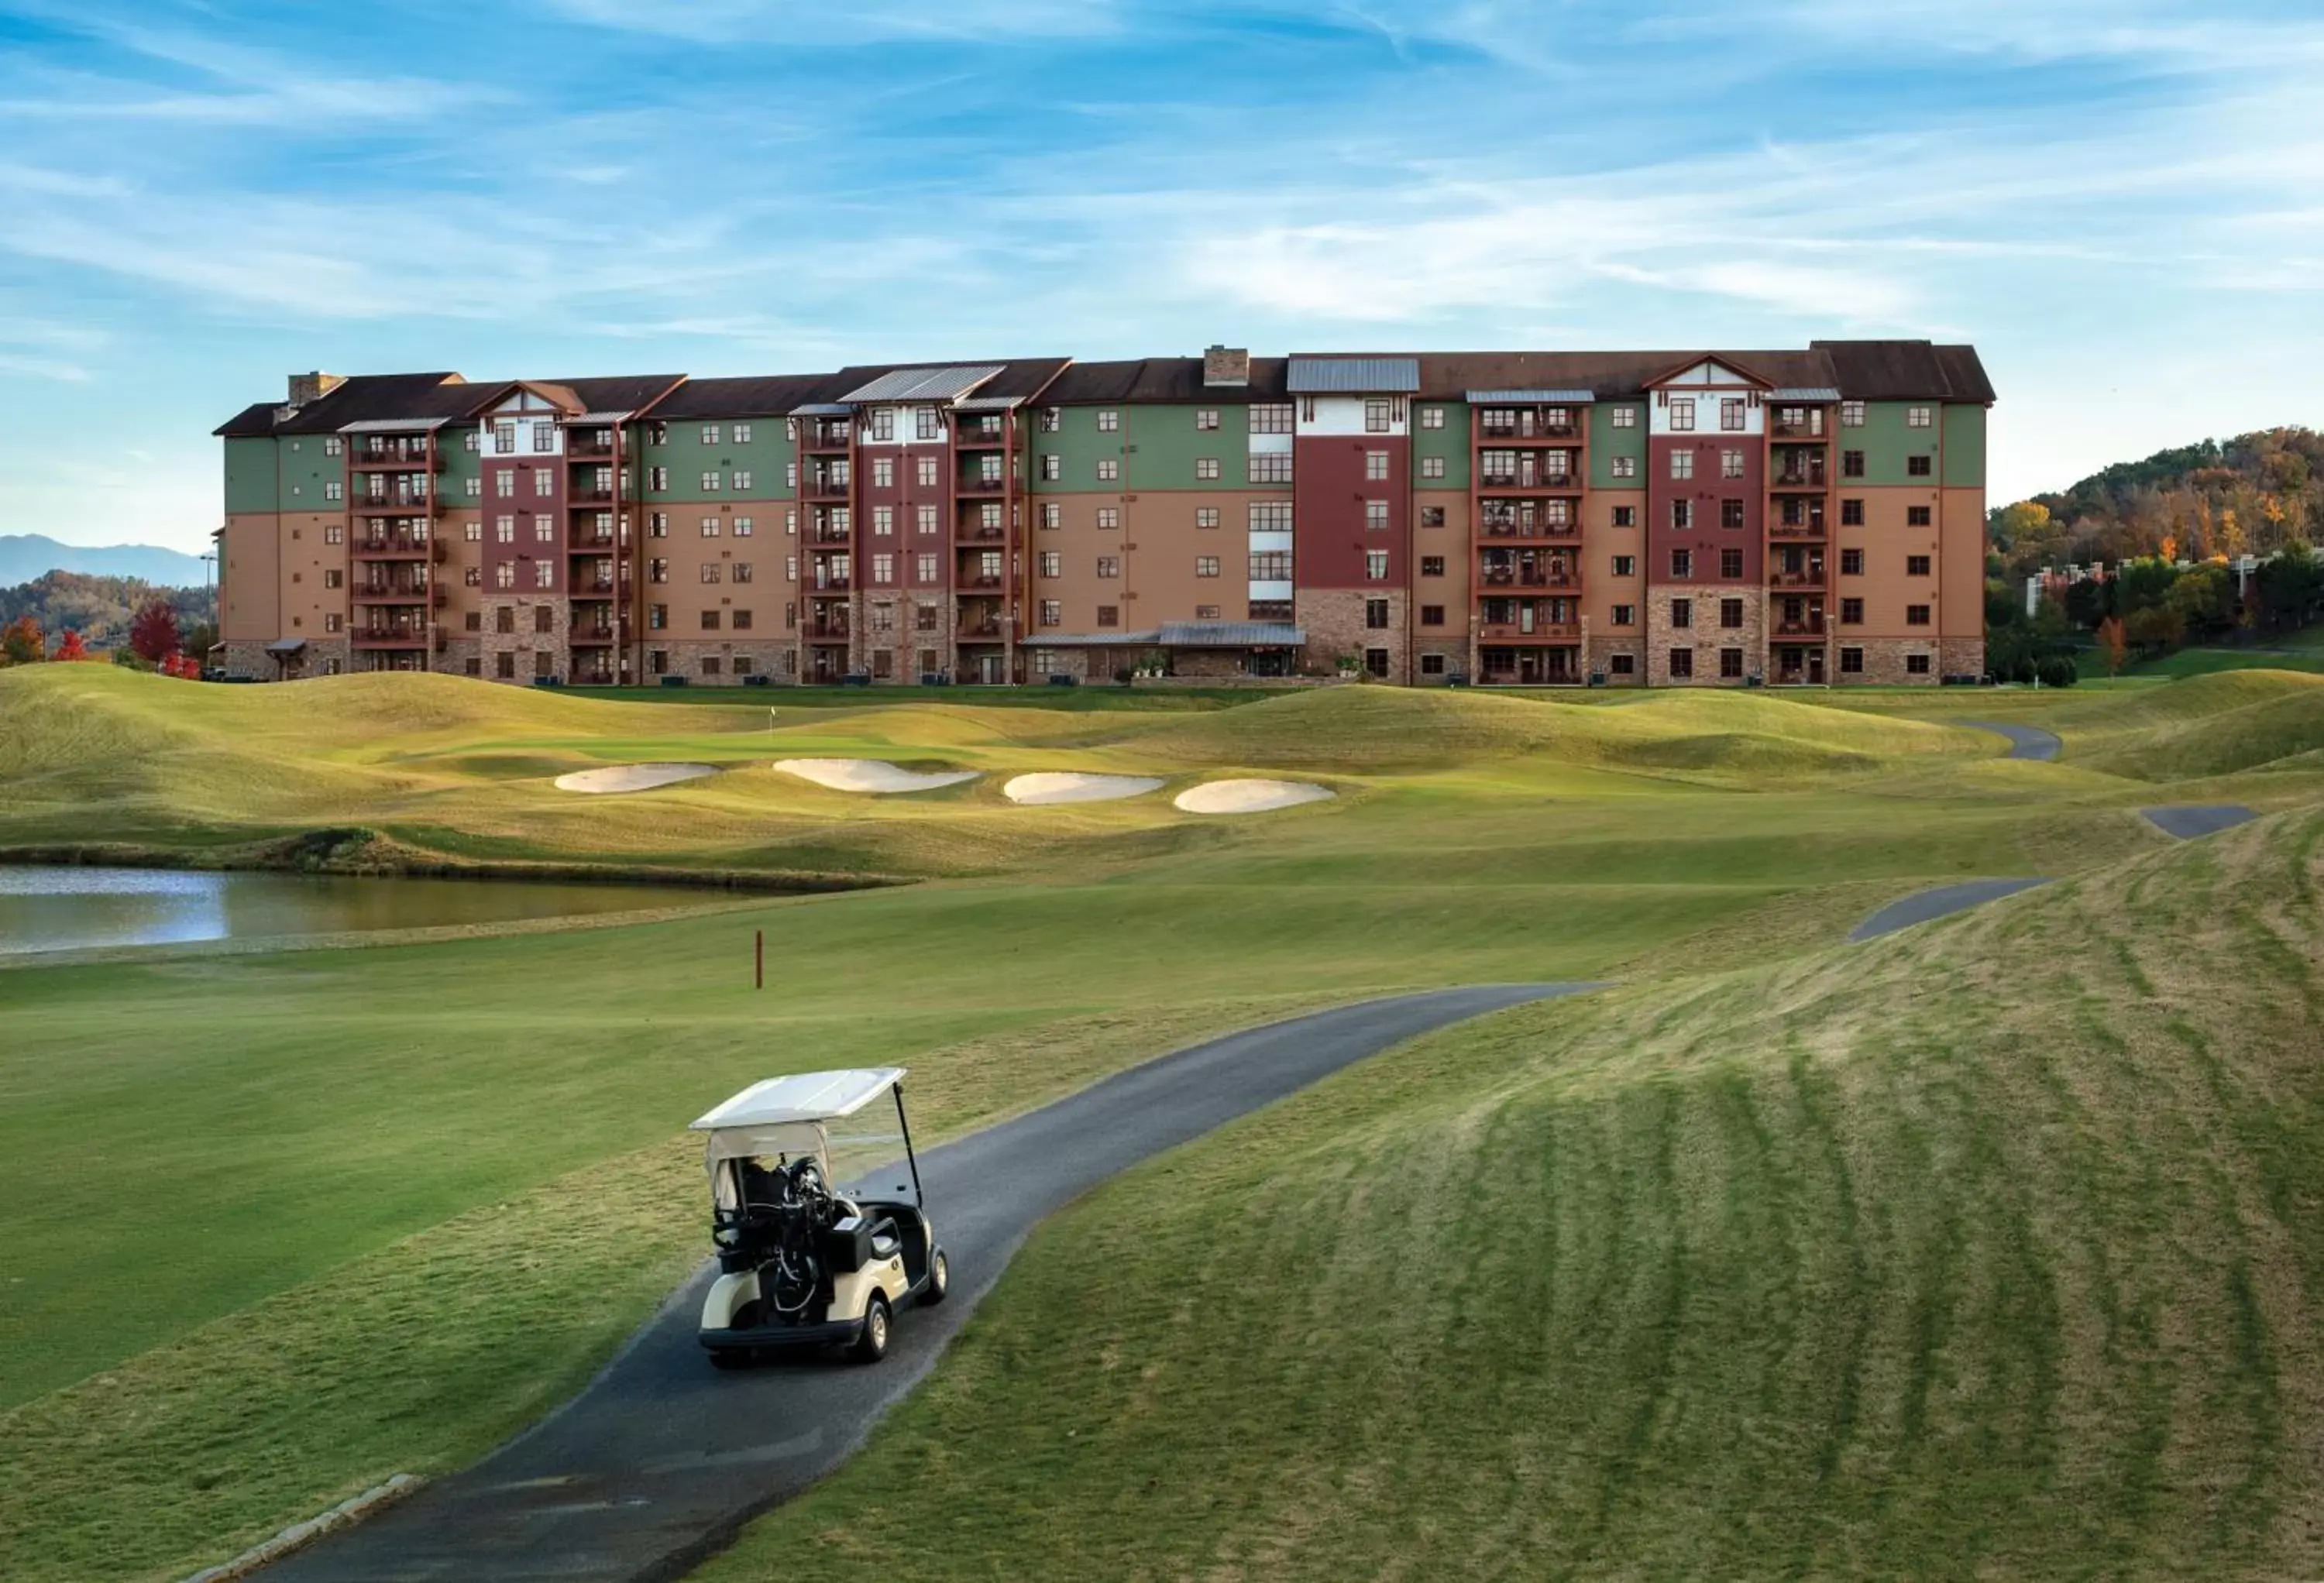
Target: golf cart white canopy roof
{"points": [[805, 1095]]}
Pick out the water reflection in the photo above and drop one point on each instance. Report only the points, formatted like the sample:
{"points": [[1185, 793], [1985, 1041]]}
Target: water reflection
{"points": [[62, 908]]}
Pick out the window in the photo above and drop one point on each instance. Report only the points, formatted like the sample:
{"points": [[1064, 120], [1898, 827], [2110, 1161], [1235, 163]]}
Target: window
{"points": [[1271, 417], [1432, 615], [1376, 663], [1851, 562], [504, 667], [1109, 615], [1431, 665], [925, 469], [710, 482], [1376, 419], [1851, 514], [1432, 417], [1431, 566], [504, 530], [742, 571], [1270, 466], [1730, 613], [1108, 420], [1109, 566], [1206, 612], [1916, 566], [709, 527], [1682, 662], [711, 572], [1375, 467], [1851, 416], [1916, 516], [505, 484], [1206, 565], [1730, 563], [1681, 612], [1051, 564], [1431, 467], [1852, 613], [1053, 466], [333, 490], [1731, 513], [544, 574], [1851, 463], [709, 621], [474, 577], [1431, 516], [474, 488], [1625, 467], [883, 472], [1622, 416], [1624, 615], [1376, 614], [1375, 565], [1207, 417], [741, 480], [544, 438], [503, 440], [883, 568], [471, 440], [1052, 515], [335, 534], [1681, 415], [1919, 466], [1916, 615], [544, 529], [1052, 612], [1109, 516], [1622, 665], [658, 571], [1206, 516], [883, 522], [1206, 466], [1731, 414], [927, 424], [741, 527], [1851, 662], [1108, 470], [1731, 463], [1917, 665], [1270, 565], [1681, 464], [927, 570], [1917, 417], [925, 519], [1731, 663], [1052, 419], [883, 423], [1625, 565], [709, 434], [1376, 516], [1681, 515], [1626, 516]]}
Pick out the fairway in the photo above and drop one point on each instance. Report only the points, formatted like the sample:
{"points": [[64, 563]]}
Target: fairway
{"points": [[365, 1269]]}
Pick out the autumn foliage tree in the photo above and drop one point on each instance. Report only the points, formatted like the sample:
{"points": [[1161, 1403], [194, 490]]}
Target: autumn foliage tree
{"points": [[20, 642], [69, 649], [2116, 646], [154, 634]]}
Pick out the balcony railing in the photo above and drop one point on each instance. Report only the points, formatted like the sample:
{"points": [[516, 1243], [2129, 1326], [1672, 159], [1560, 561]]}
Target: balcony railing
{"points": [[836, 631], [1809, 527], [1539, 632], [822, 435], [1810, 477], [986, 628], [1520, 528], [590, 494], [1812, 429], [971, 435], [980, 580], [391, 591], [415, 457], [585, 445], [1554, 583], [1527, 427], [388, 544], [1806, 577], [829, 535], [826, 486], [1804, 627], [832, 584], [982, 485], [982, 533], [1529, 478]]}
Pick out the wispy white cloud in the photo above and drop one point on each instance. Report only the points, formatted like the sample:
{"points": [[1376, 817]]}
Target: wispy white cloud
{"points": [[790, 24]]}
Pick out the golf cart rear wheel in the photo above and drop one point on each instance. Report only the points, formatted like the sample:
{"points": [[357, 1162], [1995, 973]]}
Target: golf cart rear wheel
{"points": [[939, 1278], [871, 1346]]}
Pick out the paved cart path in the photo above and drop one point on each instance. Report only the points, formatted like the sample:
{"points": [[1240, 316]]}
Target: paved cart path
{"points": [[2193, 819], [657, 1463], [2025, 742], [1923, 905]]}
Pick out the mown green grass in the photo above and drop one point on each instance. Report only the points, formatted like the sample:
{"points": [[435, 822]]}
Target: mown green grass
{"points": [[301, 1152], [1989, 1250]]}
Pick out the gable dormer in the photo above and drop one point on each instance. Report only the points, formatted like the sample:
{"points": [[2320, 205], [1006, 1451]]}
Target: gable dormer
{"points": [[1707, 394]]}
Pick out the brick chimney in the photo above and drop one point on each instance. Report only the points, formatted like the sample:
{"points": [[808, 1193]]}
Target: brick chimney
{"points": [[313, 386], [1226, 365]]}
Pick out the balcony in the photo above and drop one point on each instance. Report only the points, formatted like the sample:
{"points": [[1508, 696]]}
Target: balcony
{"points": [[1521, 528], [1538, 633], [1809, 527], [979, 533], [1810, 428], [1547, 581], [826, 486], [1805, 577], [971, 436], [980, 580], [825, 434], [988, 630], [390, 635], [827, 630], [591, 634], [823, 533], [1525, 426], [413, 457], [589, 494], [983, 485], [587, 538], [1808, 626], [825, 583], [393, 502], [1809, 477], [1540, 478], [383, 545], [590, 442]]}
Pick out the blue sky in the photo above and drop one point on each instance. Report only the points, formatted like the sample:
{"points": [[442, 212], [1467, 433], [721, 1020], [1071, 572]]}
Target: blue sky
{"points": [[2119, 203]]}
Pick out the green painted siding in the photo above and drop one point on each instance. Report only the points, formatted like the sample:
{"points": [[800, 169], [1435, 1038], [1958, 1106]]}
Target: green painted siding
{"points": [[1886, 441], [1608, 442], [1964, 433], [1164, 445], [766, 456], [460, 464], [250, 481], [303, 467], [1079, 445], [1450, 442]]}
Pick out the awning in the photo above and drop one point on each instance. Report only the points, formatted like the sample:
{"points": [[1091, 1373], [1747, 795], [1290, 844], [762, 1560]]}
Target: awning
{"points": [[1524, 398], [1805, 393], [287, 646], [1230, 635], [1087, 639]]}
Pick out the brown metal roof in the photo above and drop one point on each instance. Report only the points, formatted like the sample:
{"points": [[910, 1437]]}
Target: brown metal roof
{"points": [[621, 392], [362, 397], [1162, 379], [1895, 370], [750, 396]]}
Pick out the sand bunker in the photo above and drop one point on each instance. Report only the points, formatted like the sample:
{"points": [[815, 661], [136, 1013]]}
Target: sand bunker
{"points": [[1251, 797], [633, 777], [1065, 786], [869, 775]]}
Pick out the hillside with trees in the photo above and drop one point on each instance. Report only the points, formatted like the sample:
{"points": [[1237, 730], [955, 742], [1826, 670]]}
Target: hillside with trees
{"points": [[101, 610]]}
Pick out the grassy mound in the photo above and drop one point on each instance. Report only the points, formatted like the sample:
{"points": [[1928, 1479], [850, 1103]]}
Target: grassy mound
{"points": [[2218, 724], [1993, 1249]]}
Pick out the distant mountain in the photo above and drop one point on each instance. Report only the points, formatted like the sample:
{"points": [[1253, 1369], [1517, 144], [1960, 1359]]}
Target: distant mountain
{"points": [[24, 557]]}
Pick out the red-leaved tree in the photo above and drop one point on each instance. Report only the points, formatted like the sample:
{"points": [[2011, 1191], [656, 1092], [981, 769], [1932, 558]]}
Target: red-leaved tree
{"points": [[20, 642], [153, 632], [184, 667], [69, 648]]}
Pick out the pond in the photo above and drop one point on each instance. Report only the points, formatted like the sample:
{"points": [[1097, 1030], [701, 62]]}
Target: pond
{"points": [[59, 908]]}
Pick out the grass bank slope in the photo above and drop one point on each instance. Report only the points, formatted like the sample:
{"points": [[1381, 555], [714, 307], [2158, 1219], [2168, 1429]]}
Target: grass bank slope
{"points": [[2221, 723], [1992, 1249]]}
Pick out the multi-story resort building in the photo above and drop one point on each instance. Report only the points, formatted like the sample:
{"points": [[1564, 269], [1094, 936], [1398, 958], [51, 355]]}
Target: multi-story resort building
{"points": [[1521, 518]]}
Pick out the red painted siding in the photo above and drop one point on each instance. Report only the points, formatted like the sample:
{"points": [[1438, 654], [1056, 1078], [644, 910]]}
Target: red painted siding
{"points": [[1329, 493]]}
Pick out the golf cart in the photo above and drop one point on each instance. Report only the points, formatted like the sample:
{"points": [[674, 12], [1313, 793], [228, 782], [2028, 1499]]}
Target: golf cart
{"points": [[816, 1212]]}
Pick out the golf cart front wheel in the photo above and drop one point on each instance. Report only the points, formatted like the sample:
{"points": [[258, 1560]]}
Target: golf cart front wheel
{"points": [[871, 1346], [939, 1278]]}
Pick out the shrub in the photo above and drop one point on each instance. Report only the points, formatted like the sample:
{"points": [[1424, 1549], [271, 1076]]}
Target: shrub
{"points": [[2056, 672]]}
